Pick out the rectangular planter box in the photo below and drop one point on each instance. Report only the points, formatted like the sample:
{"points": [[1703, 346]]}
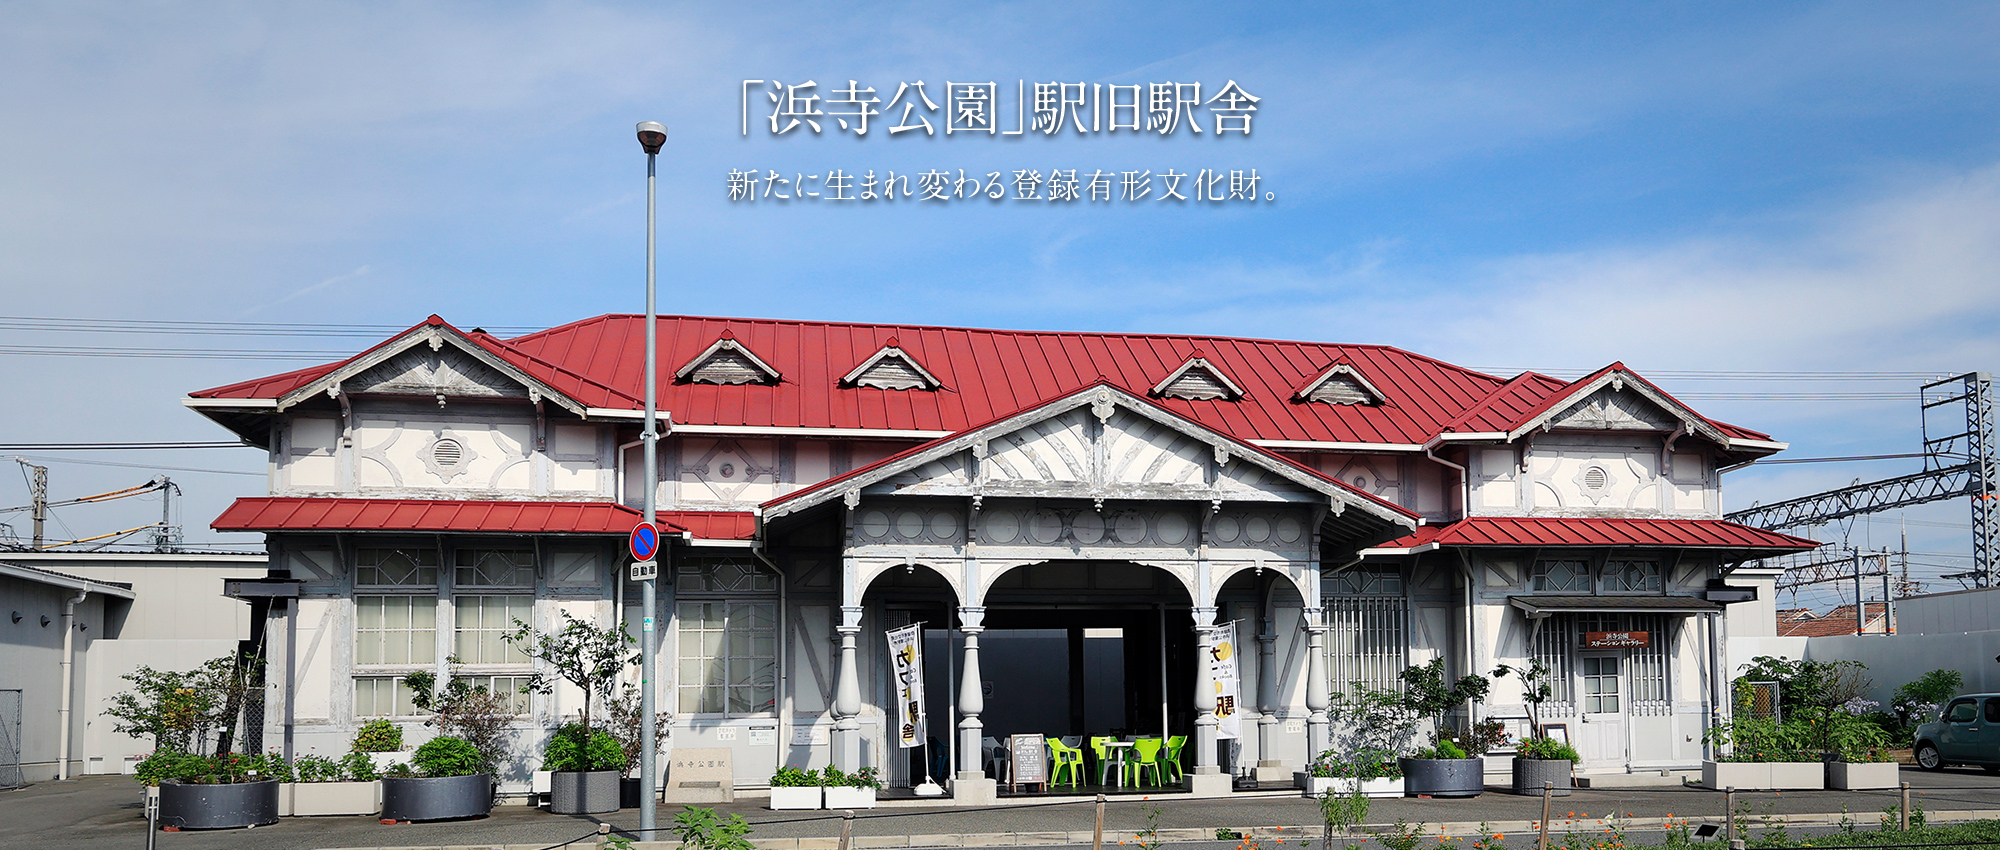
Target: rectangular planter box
{"points": [[848, 797], [1314, 786], [1764, 776], [796, 798], [1848, 776], [307, 799]]}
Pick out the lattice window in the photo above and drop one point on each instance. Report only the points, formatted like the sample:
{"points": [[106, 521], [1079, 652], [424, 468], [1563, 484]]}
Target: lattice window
{"points": [[722, 575], [1652, 692], [1632, 577], [1368, 642], [412, 567], [1562, 576], [382, 696], [494, 568], [728, 657], [395, 630], [1366, 582], [480, 622]]}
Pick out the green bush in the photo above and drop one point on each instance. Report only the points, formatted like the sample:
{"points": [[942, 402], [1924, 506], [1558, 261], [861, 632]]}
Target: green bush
{"points": [[792, 777], [833, 777], [1445, 749], [577, 747], [211, 770], [378, 736], [1361, 764], [1547, 749], [318, 769], [359, 767], [448, 756]]}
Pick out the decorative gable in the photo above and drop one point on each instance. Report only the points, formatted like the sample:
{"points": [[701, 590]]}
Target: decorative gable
{"points": [[892, 368], [1198, 380], [727, 362], [447, 371], [1615, 409], [1340, 384]]}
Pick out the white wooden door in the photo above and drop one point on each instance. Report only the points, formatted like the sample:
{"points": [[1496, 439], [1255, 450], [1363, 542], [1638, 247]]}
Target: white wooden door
{"points": [[1601, 740]]}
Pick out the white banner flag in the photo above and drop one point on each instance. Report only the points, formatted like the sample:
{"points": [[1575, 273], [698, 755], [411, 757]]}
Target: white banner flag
{"points": [[906, 653], [1222, 671]]}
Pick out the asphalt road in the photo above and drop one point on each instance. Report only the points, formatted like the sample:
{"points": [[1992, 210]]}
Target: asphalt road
{"points": [[106, 812]]}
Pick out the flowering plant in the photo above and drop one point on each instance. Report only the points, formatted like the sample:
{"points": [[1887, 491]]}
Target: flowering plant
{"points": [[1363, 764]]}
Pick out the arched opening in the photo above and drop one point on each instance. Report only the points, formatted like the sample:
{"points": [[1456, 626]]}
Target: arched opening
{"points": [[902, 596]]}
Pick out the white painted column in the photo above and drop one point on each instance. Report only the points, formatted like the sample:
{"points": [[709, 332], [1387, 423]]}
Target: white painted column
{"points": [[971, 697], [847, 683], [1319, 732]]}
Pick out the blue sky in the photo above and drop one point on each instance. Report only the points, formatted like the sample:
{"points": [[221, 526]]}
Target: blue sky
{"points": [[1756, 188]]}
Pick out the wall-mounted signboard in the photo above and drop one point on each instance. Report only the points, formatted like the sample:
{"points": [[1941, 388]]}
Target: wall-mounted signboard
{"points": [[1617, 640]]}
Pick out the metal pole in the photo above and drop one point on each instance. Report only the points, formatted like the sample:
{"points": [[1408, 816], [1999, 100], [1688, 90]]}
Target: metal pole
{"points": [[1729, 813], [649, 434], [1888, 606], [1903, 811], [1860, 607]]}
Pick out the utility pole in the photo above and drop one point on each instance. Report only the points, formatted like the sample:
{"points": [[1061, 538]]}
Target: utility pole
{"points": [[38, 498], [1860, 606], [651, 137]]}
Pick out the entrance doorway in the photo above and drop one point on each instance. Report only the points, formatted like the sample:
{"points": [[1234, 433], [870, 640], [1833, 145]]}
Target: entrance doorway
{"points": [[1601, 740]]}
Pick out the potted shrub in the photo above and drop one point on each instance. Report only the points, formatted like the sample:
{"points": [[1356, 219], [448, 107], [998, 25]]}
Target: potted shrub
{"points": [[324, 786], [584, 765], [627, 727], [590, 657], [1543, 760], [1379, 725], [446, 778], [850, 790], [383, 741], [212, 792], [1446, 769], [792, 788], [1374, 773]]}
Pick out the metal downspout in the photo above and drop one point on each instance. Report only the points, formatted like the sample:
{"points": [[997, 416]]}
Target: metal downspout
{"points": [[784, 701], [68, 682]]}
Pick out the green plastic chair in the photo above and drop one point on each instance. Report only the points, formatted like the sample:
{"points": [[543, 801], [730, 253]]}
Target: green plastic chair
{"points": [[1103, 761], [1064, 758], [1146, 752], [1175, 744]]}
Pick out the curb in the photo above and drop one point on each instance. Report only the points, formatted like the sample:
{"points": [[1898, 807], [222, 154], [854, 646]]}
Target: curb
{"points": [[1186, 835]]}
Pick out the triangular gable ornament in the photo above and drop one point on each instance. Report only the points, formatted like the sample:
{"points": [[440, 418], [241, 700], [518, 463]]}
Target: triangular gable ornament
{"points": [[1198, 380], [891, 368], [727, 362], [1341, 383]]}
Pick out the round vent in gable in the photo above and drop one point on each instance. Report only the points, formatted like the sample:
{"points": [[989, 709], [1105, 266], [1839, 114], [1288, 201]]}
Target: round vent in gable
{"points": [[1595, 478], [447, 453]]}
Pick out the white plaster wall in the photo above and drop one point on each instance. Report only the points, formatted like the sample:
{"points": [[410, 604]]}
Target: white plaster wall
{"points": [[1949, 613], [102, 749], [1895, 660]]}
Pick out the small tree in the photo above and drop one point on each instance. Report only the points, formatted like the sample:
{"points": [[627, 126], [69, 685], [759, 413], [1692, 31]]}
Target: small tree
{"points": [[179, 710], [628, 726], [1537, 687], [1426, 693], [580, 653]]}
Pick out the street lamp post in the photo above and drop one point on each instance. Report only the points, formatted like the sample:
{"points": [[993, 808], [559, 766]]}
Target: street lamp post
{"points": [[652, 135]]}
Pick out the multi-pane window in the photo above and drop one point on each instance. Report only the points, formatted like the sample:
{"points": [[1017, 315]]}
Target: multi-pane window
{"points": [[1600, 684], [1632, 577], [511, 688], [1368, 634], [406, 567], [395, 629], [728, 657], [480, 623], [1555, 646], [382, 696], [1562, 576], [722, 575]]}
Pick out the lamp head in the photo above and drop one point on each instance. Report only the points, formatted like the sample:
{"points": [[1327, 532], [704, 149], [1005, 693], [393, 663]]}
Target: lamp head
{"points": [[652, 134]]}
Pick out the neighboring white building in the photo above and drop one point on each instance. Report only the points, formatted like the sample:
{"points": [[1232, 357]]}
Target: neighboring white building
{"points": [[1067, 512], [160, 609]]}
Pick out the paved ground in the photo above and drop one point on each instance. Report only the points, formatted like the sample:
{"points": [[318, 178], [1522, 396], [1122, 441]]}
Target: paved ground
{"points": [[105, 811]]}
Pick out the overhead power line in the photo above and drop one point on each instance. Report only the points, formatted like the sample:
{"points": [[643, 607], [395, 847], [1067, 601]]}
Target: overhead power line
{"points": [[156, 444]]}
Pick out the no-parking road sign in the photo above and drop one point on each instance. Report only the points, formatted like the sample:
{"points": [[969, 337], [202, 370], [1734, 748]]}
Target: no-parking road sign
{"points": [[645, 542]]}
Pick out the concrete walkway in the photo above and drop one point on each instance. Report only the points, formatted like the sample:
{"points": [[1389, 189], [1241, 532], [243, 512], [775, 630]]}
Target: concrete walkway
{"points": [[105, 811]]}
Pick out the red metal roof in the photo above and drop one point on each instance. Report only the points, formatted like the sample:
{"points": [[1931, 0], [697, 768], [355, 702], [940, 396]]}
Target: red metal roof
{"points": [[1601, 531], [714, 525], [272, 513], [599, 362]]}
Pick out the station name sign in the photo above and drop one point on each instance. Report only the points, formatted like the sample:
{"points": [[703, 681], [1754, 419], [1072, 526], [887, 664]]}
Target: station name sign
{"points": [[1617, 640]]}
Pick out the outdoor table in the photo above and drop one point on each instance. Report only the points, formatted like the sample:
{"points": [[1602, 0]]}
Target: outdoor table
{"points": [[1114, 755]]}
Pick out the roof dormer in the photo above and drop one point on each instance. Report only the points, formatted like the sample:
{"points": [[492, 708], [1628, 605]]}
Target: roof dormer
{"points": [[891, 368], [1341, 383], [727, 362], [1198, 380]]}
